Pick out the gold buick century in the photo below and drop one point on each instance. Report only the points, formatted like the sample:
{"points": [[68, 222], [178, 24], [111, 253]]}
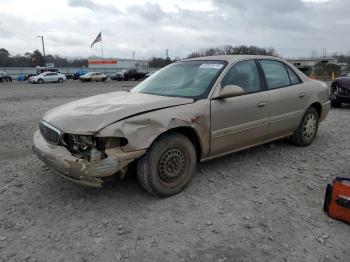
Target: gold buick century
{"points": [[189, 111]]}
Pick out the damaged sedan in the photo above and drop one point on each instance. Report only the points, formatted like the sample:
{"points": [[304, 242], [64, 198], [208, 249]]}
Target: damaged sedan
{"points": [[187, 112]]}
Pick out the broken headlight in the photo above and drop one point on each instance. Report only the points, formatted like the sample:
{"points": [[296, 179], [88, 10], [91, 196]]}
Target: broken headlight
{"points": [[78, 144], [92, 148]]}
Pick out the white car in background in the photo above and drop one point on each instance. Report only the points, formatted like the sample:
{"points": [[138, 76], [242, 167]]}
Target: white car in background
{"points": [[47, 77], [93, 76]]}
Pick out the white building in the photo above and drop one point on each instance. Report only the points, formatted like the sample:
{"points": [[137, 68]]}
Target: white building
{"points": [[117, 64]]}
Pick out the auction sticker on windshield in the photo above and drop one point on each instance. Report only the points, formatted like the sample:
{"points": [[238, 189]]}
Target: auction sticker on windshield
{"points": [[213, 66]]}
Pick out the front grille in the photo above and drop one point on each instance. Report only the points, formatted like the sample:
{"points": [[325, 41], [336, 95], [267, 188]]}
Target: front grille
{"points": [[50, 133]]}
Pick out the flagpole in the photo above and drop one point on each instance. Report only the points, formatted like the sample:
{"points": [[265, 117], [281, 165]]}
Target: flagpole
{"points": [[101, 48]]}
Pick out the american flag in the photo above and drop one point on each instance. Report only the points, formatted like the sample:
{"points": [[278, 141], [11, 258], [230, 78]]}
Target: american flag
{"points": [[97, 39]]}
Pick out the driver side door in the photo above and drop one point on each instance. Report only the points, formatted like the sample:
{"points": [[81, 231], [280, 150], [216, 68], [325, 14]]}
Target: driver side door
{"points": [[241, 121]]}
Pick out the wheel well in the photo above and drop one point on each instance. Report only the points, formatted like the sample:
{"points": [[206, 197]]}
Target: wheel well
{"points": [[192, 135], [318, 108]]}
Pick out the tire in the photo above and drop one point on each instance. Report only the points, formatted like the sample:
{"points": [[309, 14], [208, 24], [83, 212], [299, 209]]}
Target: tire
{"points": [[168, 166], [104, 79], [40, 81], [60, 80], [307, 129]]}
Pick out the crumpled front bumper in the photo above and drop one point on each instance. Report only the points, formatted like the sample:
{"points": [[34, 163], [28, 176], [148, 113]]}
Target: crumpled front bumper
{"points": [[90, 173]]}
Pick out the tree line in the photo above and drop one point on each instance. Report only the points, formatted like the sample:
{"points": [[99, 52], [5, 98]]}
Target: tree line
{"points": [[234, 50], [35, 58]]}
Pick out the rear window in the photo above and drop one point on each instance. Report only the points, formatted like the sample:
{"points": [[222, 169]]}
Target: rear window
{"points": [[275, 73], [294, 79]]}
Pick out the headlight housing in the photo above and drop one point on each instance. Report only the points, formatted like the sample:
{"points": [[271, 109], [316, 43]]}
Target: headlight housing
{"points": [[87, 146]]}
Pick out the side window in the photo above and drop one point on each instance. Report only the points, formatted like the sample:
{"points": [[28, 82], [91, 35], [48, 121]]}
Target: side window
{"points": [[275, 73], [244, 74], [294, 79]]}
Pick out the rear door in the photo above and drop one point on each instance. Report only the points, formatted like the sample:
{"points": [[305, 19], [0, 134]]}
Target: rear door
{"points": [[240, 121], [53, 77], [287, 97]]}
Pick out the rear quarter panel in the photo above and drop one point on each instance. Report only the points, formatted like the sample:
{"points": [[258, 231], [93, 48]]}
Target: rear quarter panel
{"points": [[316, 92]]}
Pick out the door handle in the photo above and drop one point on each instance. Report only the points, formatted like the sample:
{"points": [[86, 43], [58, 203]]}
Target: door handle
{"points": [[262, 104], [301, 94]]}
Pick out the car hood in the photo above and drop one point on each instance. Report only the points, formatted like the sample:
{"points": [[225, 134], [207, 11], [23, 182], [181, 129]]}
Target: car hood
{"points": [[89, 115]]}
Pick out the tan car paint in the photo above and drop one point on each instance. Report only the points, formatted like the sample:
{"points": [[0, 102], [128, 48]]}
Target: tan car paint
{"points": [[83, 116], [221, 125], [238, 121], [287, 105]]}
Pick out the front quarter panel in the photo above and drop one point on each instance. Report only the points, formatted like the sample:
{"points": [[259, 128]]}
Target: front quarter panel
{"points": [[143, 129]]}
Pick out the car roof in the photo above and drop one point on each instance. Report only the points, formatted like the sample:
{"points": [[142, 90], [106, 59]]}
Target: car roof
{"points": [[233, 58]]}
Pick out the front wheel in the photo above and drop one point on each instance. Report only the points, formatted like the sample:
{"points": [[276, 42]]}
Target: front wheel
{"points": [[168, 166], [307, 130], [40, 81], [60, 80]]}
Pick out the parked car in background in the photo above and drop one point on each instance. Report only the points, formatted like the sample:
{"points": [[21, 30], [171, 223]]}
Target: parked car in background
{"points": [[4, 77], [150, 73], [41, 70], [69, 76], [118, 76], [130, 74], [79, 73], [47, 77], [93, 76], [340, 91], [190, 111]]}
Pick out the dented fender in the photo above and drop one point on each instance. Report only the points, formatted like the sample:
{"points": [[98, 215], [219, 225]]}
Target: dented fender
{"points": [[143, 129]]}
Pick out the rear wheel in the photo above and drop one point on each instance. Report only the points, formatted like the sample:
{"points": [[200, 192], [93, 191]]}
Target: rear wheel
{"points": [[307, 130], [168, 166]]}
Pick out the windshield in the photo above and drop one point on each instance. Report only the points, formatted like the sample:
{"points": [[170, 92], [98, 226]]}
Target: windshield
{"points": [[183, 79]]}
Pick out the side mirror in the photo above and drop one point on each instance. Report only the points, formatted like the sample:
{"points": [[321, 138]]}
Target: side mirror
{"points": [[229, 91]]}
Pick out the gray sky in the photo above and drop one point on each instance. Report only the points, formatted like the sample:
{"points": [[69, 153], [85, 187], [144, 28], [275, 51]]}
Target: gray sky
{"points": [[293, 27]]}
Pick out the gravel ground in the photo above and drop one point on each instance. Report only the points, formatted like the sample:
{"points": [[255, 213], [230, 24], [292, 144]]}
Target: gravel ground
{"points": [[262, 204]]}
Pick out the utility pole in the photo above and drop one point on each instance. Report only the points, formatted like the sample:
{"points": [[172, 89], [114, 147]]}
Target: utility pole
{"points": [[42, 42], [133, 55], [166, 53]]}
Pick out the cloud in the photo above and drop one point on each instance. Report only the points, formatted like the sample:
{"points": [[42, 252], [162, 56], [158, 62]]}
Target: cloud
{"points": [[149, 11], [93, 6]]}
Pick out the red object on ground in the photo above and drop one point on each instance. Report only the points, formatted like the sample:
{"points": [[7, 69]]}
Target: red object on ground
{"points": [[337, 200]]}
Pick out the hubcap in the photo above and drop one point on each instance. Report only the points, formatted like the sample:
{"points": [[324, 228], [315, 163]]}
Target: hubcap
{"points": [[171, 165], [309, 126]]}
